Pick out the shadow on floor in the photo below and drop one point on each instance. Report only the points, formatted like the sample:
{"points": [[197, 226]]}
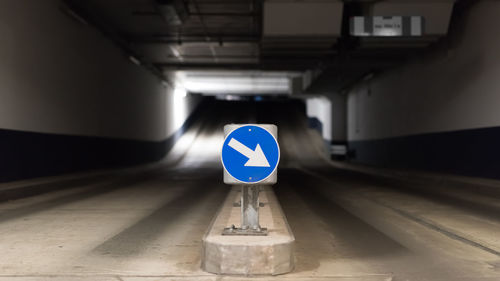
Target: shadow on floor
{"points": [[325, 231], [169, 218]]}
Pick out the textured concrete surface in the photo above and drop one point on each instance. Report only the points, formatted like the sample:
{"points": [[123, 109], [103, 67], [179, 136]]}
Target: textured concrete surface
{"points": [[249, 255], [149, 224]]}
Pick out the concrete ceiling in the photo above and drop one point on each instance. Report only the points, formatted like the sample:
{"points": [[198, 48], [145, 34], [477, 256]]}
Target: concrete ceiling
{"points": [[257, 35]]}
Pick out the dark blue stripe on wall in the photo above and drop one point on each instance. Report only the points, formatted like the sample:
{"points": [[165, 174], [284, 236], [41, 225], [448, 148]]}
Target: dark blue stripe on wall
{"points": [[26, 155], [474, 152]]}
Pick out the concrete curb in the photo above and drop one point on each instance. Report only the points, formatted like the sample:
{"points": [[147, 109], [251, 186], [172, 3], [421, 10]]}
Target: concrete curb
{"points": [[249, 255]]}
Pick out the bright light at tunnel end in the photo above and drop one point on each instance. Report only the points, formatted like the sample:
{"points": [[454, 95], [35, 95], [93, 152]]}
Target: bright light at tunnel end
{"points": [[180, 92], [235, 82]]}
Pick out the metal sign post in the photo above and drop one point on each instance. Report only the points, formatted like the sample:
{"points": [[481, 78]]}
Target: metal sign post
{"points": [[250, 156], [249, 213]]}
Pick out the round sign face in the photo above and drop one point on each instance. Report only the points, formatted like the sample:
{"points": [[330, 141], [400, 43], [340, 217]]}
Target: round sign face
{"points": [[250, 154]]}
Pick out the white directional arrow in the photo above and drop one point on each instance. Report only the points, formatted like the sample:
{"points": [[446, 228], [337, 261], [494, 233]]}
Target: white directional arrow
{"points": [[256, 158]]}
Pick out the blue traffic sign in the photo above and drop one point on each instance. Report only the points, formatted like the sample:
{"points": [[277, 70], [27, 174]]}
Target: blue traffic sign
{"points": [[250, 154]]}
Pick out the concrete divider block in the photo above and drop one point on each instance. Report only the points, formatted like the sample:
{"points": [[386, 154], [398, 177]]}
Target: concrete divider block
{"points": [[249, 255]]}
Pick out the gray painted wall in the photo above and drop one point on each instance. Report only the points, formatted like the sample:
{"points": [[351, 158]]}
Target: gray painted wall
{"points": [[339, 117], [60, 76], [455, 87]]}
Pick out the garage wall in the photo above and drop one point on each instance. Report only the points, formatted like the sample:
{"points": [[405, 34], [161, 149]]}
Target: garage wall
{"points": [[339, 118], [70, 100], [440, 112]]}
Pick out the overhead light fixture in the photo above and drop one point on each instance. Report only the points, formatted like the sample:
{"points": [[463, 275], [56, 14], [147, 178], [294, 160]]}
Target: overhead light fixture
{"points": [[174, 12], [234, 82], [134, 60], [176, 53], [368, 76], [70, 11]]}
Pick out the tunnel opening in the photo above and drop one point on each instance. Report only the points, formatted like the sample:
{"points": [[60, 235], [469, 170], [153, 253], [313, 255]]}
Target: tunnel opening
{"points": [[112, 117]]}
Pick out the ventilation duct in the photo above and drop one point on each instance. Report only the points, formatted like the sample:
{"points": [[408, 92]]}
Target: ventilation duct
{"points": [[306, 26], [435, 18]]}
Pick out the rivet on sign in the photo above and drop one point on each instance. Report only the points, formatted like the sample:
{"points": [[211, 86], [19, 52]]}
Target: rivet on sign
{"points": [[249, 130], [249, 178]]}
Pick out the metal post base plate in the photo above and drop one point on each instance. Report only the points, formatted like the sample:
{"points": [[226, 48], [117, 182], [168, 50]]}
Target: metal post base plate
{"points": [[244, 232]]}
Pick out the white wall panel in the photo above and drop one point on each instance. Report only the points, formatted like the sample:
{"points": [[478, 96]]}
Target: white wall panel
{"points": [[321, 109], [58, 75]]}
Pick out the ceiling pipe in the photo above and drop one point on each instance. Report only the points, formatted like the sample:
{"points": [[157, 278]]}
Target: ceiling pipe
{"points": [[205, 30]]}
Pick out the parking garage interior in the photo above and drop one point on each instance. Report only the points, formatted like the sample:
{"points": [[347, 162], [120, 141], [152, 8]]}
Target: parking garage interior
{"points": [[112, 116]]}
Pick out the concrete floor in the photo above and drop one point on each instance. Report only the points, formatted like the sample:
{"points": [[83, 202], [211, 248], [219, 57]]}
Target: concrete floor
{"points": [[147, 224]]}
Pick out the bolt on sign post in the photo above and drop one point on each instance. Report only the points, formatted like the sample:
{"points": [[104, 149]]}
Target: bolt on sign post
{"points": [[250, 157]]}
